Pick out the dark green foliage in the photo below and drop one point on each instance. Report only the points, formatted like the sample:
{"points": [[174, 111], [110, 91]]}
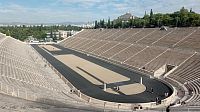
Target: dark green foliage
{"points": [[96, 25], [109, 24], [181, 18], [151, 18], [102, 23], [39, 32]]}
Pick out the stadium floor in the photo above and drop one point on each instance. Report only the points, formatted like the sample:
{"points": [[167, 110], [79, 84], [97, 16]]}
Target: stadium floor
{"points": [[88, 88]]}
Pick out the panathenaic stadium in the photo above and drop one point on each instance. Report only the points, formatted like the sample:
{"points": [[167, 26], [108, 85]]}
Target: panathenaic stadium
{"points": [[136, 69]]}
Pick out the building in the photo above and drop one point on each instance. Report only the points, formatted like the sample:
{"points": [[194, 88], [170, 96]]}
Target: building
{"points": [[54, 35], [126, 17], [31, 39], [64, 34], [60, 34]]}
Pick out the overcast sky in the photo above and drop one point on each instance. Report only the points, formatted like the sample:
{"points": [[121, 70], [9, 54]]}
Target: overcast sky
{"points": [[53, 11]]}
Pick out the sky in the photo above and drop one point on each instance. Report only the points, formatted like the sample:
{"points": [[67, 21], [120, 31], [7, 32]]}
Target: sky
{"points": [[55, 11]]}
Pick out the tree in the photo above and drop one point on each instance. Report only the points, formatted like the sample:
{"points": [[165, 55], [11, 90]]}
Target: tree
{"points": [[139, 23], [151, 17], [130, 23], [51, 33], [191, 10], [112, 24], [166, 19], [102, 24], [180, 18], [183, 16], [96, 24], [146, 20], [38, 32], [158, 19], [109, 24], [117, 23]]}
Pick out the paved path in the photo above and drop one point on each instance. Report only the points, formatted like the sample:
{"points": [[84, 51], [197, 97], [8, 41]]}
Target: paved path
{"points": [[95, 91]]}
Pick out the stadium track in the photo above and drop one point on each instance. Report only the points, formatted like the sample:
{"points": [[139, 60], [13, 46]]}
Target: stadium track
{"points": [[86, 87]]}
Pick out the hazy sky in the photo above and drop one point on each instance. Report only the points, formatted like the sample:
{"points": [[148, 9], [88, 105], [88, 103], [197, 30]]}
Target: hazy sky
{"points": [[50, 11]]}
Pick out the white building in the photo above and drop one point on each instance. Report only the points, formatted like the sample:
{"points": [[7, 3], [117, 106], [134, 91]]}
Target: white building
{"points": [[61, 34]]}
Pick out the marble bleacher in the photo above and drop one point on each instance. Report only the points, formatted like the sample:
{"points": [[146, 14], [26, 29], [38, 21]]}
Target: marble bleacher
{"points": [[150, 49], [23, 74], [192, 42], [144, 56], [95, 46], [158, 34], [116, 34], [188, 75], [128, 34], [128, 52], [115, 50], [170, 57], [145, 32], [174, 37], [188, 71], [108, 45], [104, 48], [87, 45]]}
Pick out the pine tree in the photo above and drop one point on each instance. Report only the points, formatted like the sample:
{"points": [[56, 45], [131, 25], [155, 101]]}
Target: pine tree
{"points": [[112, 24], [108, 25], [190, 10], [151, 17], [51, 33], [103, 23], [96, 24]]}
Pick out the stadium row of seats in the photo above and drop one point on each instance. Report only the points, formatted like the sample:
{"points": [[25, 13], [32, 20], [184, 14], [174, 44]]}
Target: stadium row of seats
{"points": [[25, 75], [188, 71], [132, 46], [188, 75], [172, 37], [147, 50]]}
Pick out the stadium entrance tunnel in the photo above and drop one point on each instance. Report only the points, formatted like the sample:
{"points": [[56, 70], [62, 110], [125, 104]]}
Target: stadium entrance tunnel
{"points": [[102, 80]]}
